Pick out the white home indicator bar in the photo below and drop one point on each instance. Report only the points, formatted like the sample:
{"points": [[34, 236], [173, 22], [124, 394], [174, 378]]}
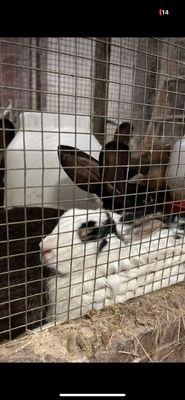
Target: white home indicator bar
{"points": [[92, 394]]}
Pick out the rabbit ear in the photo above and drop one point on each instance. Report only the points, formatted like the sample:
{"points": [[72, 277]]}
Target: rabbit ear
{"points": [[81, 168], [123, 133], [113, 162], [9, 132]]}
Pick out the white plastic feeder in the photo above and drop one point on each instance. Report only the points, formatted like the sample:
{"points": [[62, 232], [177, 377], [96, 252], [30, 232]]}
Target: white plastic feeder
{"points": [[33, 177], [176, 171]]}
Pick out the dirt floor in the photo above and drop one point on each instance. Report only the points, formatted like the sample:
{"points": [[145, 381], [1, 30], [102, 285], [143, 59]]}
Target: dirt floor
{"points": [[150, 328]]}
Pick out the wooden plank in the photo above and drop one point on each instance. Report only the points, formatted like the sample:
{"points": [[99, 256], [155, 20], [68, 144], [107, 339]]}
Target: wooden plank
{"points": [[102, 57]]}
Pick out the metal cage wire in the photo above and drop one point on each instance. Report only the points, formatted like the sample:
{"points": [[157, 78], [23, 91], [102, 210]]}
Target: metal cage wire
{"points": [[77, 92]]}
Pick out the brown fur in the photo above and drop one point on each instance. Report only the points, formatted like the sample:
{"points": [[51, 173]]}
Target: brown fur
{"points": [[156, 159], [150, 156], [144, 227], [148, 229]]}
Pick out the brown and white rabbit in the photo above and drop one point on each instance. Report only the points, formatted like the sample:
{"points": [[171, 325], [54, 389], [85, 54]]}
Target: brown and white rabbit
{"points": [[23, 294], [100, 255]]}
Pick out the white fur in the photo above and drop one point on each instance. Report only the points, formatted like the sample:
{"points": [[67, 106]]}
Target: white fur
{"points": [[120, 271]]}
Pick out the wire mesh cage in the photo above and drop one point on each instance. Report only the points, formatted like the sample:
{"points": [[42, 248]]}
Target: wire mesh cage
{"points": [[91, 174]]}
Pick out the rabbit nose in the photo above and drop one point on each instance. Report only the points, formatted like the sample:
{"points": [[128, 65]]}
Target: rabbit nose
{"points": [[46, 254], [46, 251]]}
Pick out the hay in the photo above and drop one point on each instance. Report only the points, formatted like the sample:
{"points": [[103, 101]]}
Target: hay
{"points": [[145, 329]]}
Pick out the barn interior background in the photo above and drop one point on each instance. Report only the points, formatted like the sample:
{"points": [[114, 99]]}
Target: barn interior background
{"points": [[109, 80], [105, 78]]}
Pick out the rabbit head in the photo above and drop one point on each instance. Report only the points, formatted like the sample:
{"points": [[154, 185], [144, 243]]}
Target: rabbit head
{"points": [[123, 133], [74, 230]]}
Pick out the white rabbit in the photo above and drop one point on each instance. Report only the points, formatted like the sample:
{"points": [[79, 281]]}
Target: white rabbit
{"points": [[101, 256], [98, 259]]}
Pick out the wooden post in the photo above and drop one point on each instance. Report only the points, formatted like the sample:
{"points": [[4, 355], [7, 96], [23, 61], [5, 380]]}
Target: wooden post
{"points": [[102, 56]]}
